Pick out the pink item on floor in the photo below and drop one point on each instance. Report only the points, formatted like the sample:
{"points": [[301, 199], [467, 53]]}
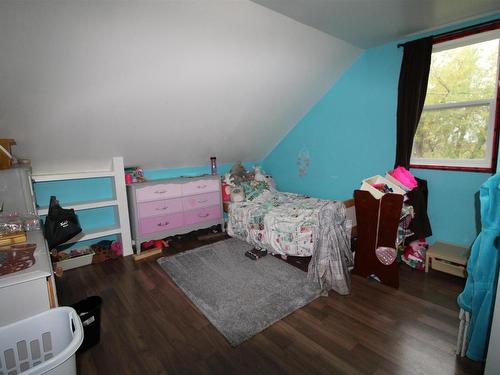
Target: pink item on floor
{"points": [[404, 176], [414, 254]]}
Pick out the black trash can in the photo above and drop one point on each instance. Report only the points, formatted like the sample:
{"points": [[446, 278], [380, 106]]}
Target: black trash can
{"points": [[89, 311]]}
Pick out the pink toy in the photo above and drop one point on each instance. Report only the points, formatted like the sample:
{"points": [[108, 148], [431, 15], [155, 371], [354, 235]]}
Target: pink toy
{"points": [[226, 192], [129, 178], [116, 247], [414, 254], [405, 177]]}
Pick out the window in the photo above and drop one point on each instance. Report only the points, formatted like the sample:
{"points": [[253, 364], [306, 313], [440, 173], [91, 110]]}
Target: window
{"points": [[459, 122]]}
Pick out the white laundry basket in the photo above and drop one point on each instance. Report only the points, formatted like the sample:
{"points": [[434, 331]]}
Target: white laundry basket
{"points": [[42, 344]]}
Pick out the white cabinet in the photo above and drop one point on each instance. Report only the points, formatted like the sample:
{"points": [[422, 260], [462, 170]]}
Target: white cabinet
{"points": [[29, 287], [118, 202], [30, 291]]}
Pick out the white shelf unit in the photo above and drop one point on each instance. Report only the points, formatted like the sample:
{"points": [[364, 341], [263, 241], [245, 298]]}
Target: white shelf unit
{"points": [[84, 206], [119, 202]]}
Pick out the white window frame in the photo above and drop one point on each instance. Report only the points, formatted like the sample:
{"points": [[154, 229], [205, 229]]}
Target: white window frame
{"points": [[487, 162]]}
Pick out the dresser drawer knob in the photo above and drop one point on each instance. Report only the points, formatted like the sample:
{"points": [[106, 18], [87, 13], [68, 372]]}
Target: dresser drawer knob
{"points": [[201, 186], [202, 200], [163, 224], [204, 215], [161, 208], [160, 191]]}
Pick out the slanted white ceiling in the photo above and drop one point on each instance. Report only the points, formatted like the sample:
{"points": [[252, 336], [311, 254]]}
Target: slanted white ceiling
{"points": [[163, 83], [368, 23]]}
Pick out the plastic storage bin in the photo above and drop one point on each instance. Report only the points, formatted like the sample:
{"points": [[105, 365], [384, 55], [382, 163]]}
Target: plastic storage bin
{"points": [[42, 344], [367, 183], [396, 182], [89, 311], [79, 261]]}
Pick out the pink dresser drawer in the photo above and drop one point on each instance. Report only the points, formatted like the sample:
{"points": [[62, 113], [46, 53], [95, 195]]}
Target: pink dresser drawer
{"points": [[162, 223], [202, 214], [200, 186], [201, 200], [160, 191], [155, 208]]}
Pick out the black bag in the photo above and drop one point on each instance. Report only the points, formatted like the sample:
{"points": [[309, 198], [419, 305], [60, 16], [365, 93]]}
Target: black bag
{"points": [[61, 224]]}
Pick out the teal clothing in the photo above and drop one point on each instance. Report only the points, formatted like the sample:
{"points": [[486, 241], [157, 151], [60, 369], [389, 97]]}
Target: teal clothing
{"points": [[482, 268]]}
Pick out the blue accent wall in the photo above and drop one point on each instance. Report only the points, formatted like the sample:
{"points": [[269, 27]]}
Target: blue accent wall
{"points": [[70, 192], [453, 204], [86, 244], [74, 191], [93, 189], [350, 134], [223, 168]]}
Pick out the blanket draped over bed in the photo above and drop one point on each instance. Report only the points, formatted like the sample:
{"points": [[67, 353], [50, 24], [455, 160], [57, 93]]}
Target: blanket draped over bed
{"points": [[291, 224]]}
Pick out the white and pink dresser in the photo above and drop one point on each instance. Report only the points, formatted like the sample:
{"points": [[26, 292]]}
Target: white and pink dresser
{"points": [[163, 208]]}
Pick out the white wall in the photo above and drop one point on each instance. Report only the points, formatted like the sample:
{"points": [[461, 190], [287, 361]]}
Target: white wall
{"points": [[163, 83]]}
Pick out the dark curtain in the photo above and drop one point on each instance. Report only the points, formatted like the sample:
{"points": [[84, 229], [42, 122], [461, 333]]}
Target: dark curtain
{"points": [[420, 225], [411, 95]]}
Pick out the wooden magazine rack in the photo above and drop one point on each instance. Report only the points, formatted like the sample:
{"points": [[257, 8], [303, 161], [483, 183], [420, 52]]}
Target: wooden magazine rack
{"points": [[377, 225]]}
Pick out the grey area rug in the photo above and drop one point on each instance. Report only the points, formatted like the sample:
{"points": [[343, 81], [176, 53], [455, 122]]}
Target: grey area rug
{"points": [[238, 295]]}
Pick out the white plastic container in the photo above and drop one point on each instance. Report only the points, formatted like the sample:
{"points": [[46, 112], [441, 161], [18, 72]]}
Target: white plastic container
{"points": [[79, 261], [367, 183], [42, 344], [396, 182]]}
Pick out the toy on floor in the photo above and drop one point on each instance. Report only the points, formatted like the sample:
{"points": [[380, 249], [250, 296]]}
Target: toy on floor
{"points": [[256, 254], [105, 250], [154, 244]]}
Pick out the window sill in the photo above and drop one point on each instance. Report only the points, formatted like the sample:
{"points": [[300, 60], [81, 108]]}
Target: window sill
{"points": [[454, 168]]}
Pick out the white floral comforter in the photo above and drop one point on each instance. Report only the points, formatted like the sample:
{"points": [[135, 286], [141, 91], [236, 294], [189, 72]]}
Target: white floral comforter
{"points": [[282, 223], [291, 224]]}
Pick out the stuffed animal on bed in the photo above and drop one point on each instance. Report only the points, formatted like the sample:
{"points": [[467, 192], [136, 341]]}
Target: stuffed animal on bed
{"points": [[247, 185], [238, 173], [237, 194], [259, 175], [228, 179]]}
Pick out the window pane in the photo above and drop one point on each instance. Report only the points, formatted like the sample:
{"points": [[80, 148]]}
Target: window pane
{"points": [[455, 133], [463, 74]]}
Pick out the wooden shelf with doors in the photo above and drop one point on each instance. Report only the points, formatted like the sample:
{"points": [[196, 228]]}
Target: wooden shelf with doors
{"points": [[110, 195]]}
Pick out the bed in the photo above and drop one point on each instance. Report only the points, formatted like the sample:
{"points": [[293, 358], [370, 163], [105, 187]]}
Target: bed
{"points": [[296, 225]]}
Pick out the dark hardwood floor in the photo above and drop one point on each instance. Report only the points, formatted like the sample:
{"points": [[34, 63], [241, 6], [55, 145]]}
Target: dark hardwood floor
{"points": [[148, 326]]}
